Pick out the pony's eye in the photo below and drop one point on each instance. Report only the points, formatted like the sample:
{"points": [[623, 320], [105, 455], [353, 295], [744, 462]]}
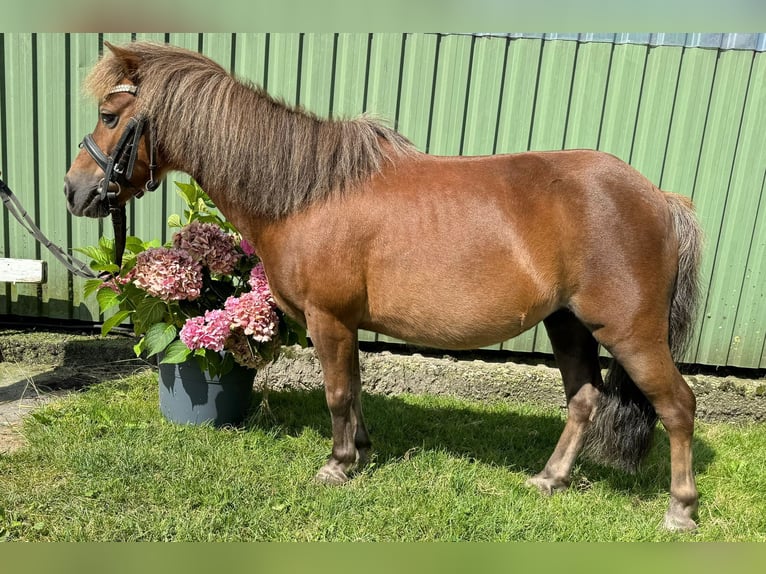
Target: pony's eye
{"points": [[109, 120]]}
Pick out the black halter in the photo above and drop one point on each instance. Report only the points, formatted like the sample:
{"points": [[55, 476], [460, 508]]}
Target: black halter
{"points": [[118, 167]]}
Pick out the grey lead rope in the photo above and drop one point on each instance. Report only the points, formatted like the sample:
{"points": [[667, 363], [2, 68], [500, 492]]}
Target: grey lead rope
{"points": [[13, 205]]}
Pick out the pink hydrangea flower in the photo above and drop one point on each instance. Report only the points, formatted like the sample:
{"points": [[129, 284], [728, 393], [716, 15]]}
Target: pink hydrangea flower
{"points": [[208, 331], [255, 315], [246, 248], [239, 346], [260, 285], [110, 283], [210, 245], [170, 274]]}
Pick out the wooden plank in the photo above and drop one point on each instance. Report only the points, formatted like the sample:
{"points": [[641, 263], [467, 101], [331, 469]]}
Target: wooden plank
{"points": [[23, 270]]}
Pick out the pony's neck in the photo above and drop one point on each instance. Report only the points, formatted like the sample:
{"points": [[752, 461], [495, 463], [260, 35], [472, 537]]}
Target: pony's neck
{"points": [[263, 157]]}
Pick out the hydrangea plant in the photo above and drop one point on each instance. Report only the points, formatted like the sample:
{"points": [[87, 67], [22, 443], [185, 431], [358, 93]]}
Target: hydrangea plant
{"points": [[204, 294]]}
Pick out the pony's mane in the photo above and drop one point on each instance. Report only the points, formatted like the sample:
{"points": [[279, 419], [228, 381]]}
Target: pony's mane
{"points": [[268, 157]]}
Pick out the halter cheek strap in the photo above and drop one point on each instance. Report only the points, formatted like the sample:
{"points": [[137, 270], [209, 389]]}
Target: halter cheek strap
{"points": [[118, 166]]}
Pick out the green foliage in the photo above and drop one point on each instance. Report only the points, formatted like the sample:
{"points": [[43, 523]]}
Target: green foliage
{"points": [[157, 322], [199, 207], [158, 337]]}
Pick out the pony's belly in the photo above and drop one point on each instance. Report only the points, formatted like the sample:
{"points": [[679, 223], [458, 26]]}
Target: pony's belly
{"points": [[438, 339], [447, 331]]}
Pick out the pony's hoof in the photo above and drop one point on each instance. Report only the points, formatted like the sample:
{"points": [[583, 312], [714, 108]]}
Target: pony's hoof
{"points": [[332, 475], [546, 485], [678, 523]]}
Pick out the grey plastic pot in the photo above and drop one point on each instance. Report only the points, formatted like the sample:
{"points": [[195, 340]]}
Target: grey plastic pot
{"points": [[189, 395]]}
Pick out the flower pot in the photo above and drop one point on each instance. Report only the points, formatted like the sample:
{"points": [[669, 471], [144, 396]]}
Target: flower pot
{"points": [[189, 395]]}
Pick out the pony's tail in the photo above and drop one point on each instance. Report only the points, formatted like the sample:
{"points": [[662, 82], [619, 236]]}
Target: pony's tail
{"points": [[622, 429], [683, 305]]}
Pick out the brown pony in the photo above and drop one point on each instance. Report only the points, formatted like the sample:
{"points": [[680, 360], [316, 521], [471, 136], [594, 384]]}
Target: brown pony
{"points": [[359, 230]]}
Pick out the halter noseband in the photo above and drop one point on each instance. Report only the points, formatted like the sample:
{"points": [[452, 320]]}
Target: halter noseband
{"points": [[118, 166]]}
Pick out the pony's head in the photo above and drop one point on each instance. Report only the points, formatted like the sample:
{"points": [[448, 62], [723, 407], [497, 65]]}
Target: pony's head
{"points": [[118, 160]]}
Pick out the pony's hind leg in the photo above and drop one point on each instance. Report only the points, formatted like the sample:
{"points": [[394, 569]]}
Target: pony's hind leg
{"points": [[576, 353], [654, 372], [337, 349]]}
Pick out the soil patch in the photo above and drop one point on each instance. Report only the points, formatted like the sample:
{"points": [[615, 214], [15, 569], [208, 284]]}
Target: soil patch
{"points": [[39, 366]]}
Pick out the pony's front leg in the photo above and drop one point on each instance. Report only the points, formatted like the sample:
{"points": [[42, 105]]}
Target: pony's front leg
{"points": [[337, 349]]}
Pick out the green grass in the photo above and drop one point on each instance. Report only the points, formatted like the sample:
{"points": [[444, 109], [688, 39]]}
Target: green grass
{"points": [[104, 465]]}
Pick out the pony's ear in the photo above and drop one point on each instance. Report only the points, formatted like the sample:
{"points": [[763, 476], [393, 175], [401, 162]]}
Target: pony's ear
{"points": [[129, 59]]}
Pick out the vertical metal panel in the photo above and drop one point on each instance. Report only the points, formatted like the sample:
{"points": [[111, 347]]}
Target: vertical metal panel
{"points": [[655, 110], [349, 78], [5, 246], [687, 123], [712, 193], [317, 64], [517, 104], [84, 53], [418, 69], [382, 79], [748, 342], [484, 91], [553, 92], [685, 138], [586, 105], [52, 138], [724, 334], [622, 97], [218, 46], [250, 57], [22, 156], [6, 221], [449, 94], [282, 78]]}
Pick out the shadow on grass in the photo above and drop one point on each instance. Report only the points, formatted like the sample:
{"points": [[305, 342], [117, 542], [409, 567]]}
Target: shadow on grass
{"points": [[43, 363], [520, 440]]}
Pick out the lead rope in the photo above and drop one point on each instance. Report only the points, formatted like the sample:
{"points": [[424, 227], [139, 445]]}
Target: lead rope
{"points": [[119, 222], [73, 264]]}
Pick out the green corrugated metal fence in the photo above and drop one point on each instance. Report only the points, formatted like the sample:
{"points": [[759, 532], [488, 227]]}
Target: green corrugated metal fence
{"points": [[691, 117]]}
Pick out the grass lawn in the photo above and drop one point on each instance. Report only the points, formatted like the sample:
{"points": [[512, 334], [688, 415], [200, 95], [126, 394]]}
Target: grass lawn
{"points": [[104, 465]]}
